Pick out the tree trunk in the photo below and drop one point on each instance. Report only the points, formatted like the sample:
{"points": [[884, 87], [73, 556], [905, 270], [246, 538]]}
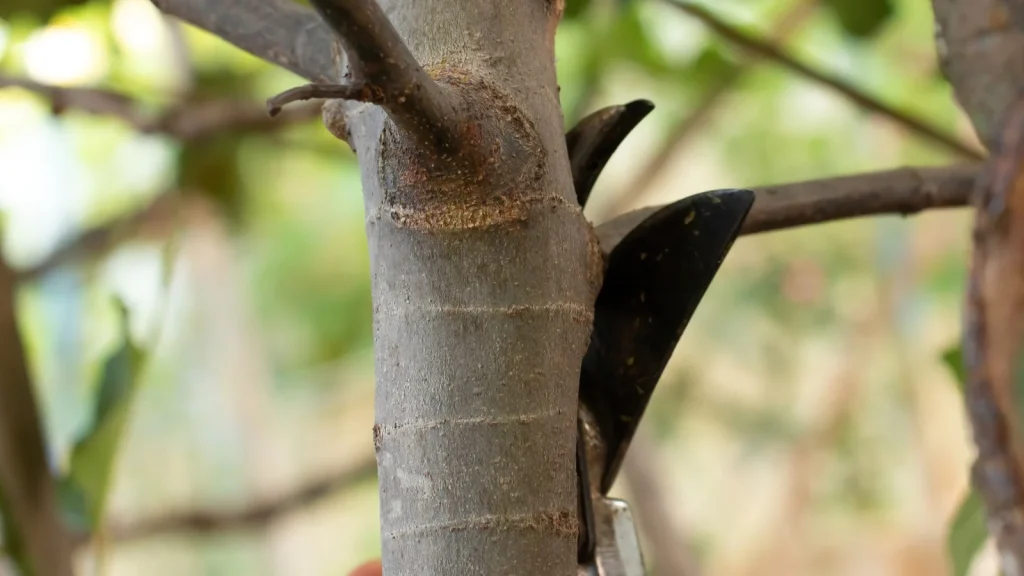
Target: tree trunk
{"points": [[483, 283]]}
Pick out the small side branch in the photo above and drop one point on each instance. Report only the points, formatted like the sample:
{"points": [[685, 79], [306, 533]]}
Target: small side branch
{"points": [[361, 92], [993, 343], [866, 101], [903, 191], [383, 71]]}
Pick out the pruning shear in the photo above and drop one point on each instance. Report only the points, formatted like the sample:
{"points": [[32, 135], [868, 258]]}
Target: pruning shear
{"points": [[655, 276]]}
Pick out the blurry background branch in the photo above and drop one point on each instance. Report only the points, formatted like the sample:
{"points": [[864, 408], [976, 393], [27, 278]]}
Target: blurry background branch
{"points": [[777, 55], [255, 516], [634, 191], [184, 121], [157, 218]]}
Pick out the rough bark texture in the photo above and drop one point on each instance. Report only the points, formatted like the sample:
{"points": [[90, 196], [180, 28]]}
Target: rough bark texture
{"points": [[993, 343], [483, 284], [981, 48]]}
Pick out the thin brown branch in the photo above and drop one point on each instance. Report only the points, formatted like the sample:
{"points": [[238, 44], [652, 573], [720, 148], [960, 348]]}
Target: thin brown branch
{"points": [[680, 135], [184, 121], [902, 191], [851, 92], [282, 32], [27, 490], [383, 71], [994, 341], [361, 92], [255, 516]]}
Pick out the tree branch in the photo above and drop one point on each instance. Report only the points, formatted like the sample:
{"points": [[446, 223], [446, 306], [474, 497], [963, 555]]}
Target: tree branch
{"points": [[282, 32], [255, 516], [383, 71], [185, 121], [994, 341], [866, 101], [902, 191], [27, 491]]}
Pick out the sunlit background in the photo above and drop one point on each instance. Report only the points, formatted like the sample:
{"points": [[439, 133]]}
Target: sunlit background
{"points": [[807, 424]]}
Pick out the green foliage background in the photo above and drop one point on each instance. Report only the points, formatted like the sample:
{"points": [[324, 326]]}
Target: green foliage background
{"points": [[808, 393]]}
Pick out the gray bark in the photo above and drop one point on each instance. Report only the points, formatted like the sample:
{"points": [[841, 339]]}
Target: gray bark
{"points": [[484, 275], [980, 44], [981, 49], [483, 289]]}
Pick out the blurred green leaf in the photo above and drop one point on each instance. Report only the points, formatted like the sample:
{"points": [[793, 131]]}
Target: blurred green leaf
{"points": [[967, 534], [211, 167], [711, 67], [628, 40], [574, 8], [861, 18], [954, 359], [83, 491]]}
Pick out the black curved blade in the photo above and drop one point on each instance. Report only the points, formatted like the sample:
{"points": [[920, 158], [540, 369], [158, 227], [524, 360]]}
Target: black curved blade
{"points": [[655, 278], [595, 138]]}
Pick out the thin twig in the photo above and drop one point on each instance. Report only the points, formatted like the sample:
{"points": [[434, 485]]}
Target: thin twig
{"points": [[866, 101], [679, 135], [902, 191], [185, 121], [993, 340], [251, 517], [362, 92]]}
